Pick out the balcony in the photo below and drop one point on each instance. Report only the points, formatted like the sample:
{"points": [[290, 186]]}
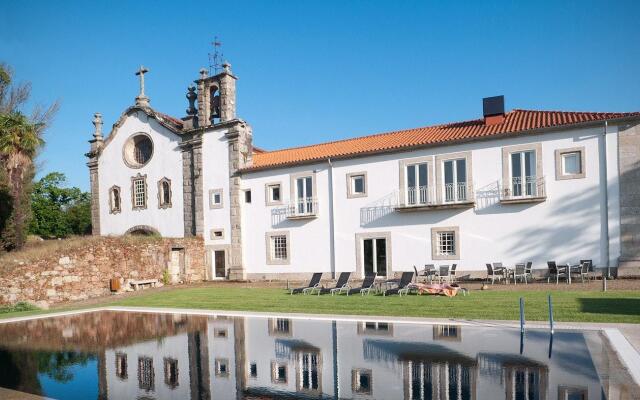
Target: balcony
{"points": [[453, 195], [529, 190], [302, 209]]}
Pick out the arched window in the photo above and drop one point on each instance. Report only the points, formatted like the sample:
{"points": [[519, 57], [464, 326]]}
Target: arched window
{"points": [[164, 193], [114, 200]]}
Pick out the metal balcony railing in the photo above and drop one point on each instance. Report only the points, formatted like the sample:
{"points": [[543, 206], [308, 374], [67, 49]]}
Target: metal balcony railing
{"points": [[451, 193], [301, 208], [530, 187]]}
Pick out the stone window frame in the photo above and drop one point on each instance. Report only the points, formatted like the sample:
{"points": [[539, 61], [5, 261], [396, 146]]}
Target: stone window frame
{"points": [[146, 373], [161, 204], [133, 192], [121, 368], [112, 209], [268, 201], [172, 384], [360, 237], [218, 370], [273, 327], [439, 171], [403, 164], [128, 143], [559, 154], [212, 235], [250, 374], [350, 193], [275, 365], [434, 242], [355, 372], [212, 193], [220, 333], [506, 160], [270, 260], [299, 372], [293, 186]]}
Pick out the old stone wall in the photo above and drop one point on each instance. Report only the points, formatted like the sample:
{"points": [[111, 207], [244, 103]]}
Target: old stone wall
{"points": [[82, 272], [629, 164]]}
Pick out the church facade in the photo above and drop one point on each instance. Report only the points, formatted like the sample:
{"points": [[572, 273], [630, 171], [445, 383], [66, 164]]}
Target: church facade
{"points": [[508, 187]]}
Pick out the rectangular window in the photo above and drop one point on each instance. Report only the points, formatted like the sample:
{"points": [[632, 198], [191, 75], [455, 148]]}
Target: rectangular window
{"points": [[171, 372], [146, 374], [139, 193], [446, 243], [279, 247], [278, 372], [114, 200], [273, 192], [121, 366], [417, 184], [222, 367], [247, 196], [215, 198], [374, 253], [217, 234], [220, 333], [571, 163], [356, 185], [253, 370], [361, 381], [523, 173], [308, 366], [304, 195], [375, 328], [455, 180]]}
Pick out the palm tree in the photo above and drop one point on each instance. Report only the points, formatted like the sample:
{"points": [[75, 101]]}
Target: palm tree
{"points": [[19, 141]]}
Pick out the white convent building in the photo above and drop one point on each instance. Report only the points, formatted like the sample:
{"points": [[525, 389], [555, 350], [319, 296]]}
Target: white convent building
{"points": [[512, 186]]}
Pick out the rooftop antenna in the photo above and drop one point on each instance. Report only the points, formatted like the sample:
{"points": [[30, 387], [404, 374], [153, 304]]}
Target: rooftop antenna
{"points": [[216, 58]]}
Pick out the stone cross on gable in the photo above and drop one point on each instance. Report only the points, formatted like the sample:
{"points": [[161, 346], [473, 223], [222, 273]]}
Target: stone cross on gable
{"points": [[142, 100]]}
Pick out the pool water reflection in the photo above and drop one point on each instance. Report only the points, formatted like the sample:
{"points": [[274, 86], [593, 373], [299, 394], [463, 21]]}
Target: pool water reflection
{"points": [[127, 355]]}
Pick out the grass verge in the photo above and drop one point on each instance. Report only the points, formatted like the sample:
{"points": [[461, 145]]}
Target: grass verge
{"points": [[569, 306]]}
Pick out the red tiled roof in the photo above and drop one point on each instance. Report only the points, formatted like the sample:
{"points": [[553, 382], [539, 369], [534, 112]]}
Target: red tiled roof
{"points": [[514, 122], [174, 121]]}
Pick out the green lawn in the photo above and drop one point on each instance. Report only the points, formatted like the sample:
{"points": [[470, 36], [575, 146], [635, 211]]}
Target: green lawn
{"points": [[584, 306]]}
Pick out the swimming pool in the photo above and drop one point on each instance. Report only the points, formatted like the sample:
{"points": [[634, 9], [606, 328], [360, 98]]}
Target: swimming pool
{"points": [[149, 355]]}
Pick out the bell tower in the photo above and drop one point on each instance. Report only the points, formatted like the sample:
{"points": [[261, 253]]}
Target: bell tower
{"points": [[216, 96]]}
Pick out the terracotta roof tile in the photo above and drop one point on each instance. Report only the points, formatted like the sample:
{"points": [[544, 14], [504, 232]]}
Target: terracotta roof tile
{"points": [[515, 121]]}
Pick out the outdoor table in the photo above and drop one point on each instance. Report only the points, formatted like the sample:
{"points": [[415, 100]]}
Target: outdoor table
{"points": [[382, 286], [508, 272]]}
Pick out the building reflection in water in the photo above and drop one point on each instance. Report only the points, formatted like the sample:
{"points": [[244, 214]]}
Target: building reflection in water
{"points": [[156, 356]]}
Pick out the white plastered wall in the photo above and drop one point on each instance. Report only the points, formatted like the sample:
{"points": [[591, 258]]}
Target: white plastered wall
{"points": [[564, 228], [165, 162]]}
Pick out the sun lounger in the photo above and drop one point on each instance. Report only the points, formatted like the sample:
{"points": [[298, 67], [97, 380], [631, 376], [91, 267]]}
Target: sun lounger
{"points": [[367, 284], [313, 283], [341, 285], [405, 280]]}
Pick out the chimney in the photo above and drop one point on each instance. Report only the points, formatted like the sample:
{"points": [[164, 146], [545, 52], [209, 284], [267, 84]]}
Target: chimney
{"points": [[493, 110]]}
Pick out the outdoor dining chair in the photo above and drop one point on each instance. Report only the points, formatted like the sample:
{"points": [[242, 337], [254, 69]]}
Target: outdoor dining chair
{"points": [[592, 271], [492, 274], [527, 270], [520, 272], [443, 273], [582, 271], [556, 271]]}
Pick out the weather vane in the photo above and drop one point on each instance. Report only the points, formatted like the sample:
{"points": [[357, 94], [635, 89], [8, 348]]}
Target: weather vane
{"points": [[216, 58]]}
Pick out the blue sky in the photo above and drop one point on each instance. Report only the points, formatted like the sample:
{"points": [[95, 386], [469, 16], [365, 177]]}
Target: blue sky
{"points": [[317, 71]]}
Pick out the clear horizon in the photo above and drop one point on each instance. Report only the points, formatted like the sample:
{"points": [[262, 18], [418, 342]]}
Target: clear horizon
{"points": [[316, 72]]}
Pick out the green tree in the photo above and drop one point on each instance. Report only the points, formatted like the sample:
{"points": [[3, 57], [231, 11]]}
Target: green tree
{"points": [[59, 211], [20, 140]]}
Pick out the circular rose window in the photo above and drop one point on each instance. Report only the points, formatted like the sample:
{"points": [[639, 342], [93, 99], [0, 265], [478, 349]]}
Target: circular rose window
{"points": [[138, 150]]}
